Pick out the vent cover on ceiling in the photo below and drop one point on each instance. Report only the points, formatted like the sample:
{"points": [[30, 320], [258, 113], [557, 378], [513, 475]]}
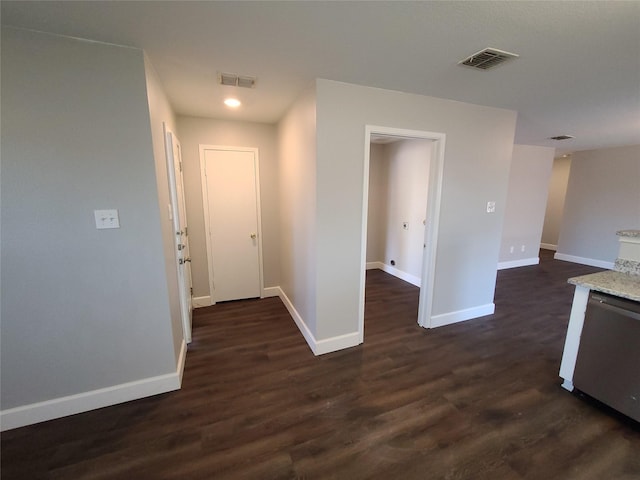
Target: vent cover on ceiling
{"points": [[561, 137], [234, 80], [488, 58]]}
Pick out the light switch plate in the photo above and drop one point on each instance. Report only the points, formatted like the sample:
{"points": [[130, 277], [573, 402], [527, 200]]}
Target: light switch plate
{"points": [[107, 219]]}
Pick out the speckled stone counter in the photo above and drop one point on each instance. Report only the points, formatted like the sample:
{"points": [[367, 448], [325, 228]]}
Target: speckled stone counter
{"points": [[627, 266], [615, 283], [623, 282], [628, 233]]}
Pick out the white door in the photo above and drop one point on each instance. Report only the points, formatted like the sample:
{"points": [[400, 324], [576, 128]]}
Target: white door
{"points": [[181, 230], [232, 217]]}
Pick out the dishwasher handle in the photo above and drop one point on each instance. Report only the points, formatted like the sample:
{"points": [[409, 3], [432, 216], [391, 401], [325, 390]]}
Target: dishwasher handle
{"points": [[612, 308]]}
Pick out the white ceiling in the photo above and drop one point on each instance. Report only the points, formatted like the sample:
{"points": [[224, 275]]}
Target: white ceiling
{"points": [[578, 71]]}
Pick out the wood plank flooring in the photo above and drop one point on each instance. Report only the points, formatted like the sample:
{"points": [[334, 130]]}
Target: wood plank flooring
{"points": [[475, 400]]}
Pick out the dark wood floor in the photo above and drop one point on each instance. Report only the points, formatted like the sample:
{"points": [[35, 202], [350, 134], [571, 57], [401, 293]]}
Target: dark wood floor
{"points": [[476, 400]]}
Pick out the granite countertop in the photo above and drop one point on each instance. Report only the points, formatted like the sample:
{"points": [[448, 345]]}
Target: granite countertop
{"points": [[615, 283], [628, 233]]}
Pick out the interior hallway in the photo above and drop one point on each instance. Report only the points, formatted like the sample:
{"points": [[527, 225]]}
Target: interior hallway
{"points": [[479, 399]]}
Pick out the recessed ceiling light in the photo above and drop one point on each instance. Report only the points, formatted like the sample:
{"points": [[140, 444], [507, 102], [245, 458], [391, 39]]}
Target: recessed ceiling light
{"points": [[232, 102]]}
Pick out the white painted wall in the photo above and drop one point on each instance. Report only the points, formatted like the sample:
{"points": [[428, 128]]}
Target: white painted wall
{"points": [[407, 199], [478, 151], [526, 204], [194, 131], [398, 186], [377, 213], [82, 309], [298, 226], [603, 196], [555, 202]]}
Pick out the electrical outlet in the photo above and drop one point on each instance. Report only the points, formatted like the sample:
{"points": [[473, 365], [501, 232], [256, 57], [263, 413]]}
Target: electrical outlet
{"points": [[491, 207], [106, 219], [511, 249], [522, 248]]}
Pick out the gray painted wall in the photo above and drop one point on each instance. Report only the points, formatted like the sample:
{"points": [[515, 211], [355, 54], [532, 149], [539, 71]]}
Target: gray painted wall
{"points": [[160, 112], [82, 309], [377, 212], [526, 202], [603, 196], [194, 131], [297, 181], [478, 151], [555, 202]]}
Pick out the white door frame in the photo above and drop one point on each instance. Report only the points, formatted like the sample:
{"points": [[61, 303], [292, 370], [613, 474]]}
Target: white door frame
{"points": [[434, 194], [185, 306], [205, 202]]}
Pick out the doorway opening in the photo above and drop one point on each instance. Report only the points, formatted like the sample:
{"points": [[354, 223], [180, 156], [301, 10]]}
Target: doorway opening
{"points": [[412, 239]]}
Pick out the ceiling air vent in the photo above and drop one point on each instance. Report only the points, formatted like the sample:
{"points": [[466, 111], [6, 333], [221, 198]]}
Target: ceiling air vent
{"points": [[234, 80], [247, 82], [561, 137], [488, 58]]}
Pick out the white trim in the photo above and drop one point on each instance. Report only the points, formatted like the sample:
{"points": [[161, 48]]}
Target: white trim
{"points": [[334, 344], [177, 221], [436, 169], [271, 292], [297, 318], [363, 232], [205, 206], [182, 358], [318, 347], [584, 261], [549, 246], [523, 262], [407, 277], [572, 340], [375, 265], [199, 302], [436, 177], [462, 315], [103, 397]]}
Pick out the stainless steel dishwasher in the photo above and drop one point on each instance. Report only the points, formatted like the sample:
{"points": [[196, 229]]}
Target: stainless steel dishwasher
{"points": [[608, 363]]}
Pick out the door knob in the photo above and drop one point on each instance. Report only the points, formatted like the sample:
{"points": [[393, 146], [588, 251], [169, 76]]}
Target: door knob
{"points": [[184, 260], [253, 236]]}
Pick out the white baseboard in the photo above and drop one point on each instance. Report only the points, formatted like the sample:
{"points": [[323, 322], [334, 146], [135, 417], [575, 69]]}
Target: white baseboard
{"points": [[462, 315], [318, 347], [206, 300], [334, 344], [181, 361], [297, 318], [271, 292], [407, 277], [549, 246], [584, 261], [198, 302], [103, 397], [523, 262]]}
